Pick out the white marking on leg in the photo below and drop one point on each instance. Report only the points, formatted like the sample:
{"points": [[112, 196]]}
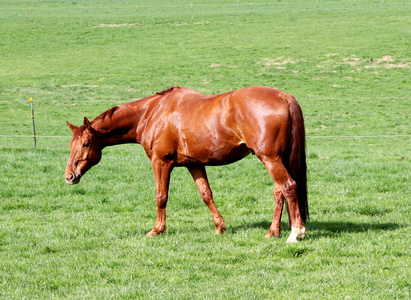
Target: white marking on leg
{"points": [[295, 234]]}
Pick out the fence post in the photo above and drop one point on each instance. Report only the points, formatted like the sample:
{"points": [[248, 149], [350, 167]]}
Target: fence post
{"points": [[32, 117], [251, 5]]}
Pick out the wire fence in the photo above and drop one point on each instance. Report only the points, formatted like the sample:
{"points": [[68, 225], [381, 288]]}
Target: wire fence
{"points": [[385, 136]]}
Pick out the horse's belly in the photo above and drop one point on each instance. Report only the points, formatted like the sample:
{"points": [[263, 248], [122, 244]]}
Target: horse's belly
{"points": [[208, 155]]}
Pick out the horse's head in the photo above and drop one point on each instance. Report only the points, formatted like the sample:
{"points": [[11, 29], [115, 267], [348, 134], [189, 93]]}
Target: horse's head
{"points": [[85, 151]]}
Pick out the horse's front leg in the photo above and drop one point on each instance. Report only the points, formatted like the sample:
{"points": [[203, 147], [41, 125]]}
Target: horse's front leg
{"points": [[162, 172], [200, 177], [275, 227]]}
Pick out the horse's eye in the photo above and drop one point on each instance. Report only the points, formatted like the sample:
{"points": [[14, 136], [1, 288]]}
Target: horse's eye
{"points": [[85, 145]]}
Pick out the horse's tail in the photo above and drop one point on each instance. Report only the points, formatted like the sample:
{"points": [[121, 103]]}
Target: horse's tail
{"points": [[296, 165]]}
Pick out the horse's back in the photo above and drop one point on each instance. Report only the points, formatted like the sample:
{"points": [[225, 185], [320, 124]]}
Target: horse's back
{"points": [[256, 97], [244, 108], [252, 94]]}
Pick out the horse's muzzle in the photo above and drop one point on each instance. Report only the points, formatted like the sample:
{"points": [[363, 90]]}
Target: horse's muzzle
{"points": [[73, 179]]}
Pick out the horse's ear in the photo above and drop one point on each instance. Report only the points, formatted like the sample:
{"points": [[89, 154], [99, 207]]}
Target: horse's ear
{"points": [[72, 127], [87, 124]]}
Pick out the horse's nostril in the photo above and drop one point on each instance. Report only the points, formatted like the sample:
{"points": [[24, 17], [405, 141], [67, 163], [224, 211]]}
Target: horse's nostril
{"points": [[72, 179]]}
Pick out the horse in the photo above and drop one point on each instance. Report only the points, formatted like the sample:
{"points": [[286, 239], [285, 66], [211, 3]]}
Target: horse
{"points": [[180, 127]]}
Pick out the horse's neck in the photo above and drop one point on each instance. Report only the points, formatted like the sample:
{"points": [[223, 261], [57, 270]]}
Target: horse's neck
{"points": [[121, 126]]}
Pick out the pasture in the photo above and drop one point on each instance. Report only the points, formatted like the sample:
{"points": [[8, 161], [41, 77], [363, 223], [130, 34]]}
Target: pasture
{"points": [[348, 63]]}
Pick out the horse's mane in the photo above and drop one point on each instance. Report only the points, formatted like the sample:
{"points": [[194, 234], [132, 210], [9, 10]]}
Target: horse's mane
{"points": [[167, 90], [107, 114]]}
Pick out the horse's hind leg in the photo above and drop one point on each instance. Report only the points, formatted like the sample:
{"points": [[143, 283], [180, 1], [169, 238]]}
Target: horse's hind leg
{"points": [[288, 187], [200, 177], [275, 227]]}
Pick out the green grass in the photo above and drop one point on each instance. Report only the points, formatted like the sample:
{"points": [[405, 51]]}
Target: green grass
{"points": [[349, 67]]}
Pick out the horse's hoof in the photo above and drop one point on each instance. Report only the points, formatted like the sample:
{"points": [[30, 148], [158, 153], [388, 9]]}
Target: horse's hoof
{"points": [[153, 233], [292, 239], [296, 233], [274, 233], [269, 235], [220, 230]]}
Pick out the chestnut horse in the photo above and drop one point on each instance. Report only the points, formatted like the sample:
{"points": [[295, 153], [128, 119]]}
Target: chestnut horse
{"points": [[181, 127]]}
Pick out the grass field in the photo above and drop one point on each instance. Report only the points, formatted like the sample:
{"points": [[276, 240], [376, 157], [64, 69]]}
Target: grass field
{"points": [[347, 62]]}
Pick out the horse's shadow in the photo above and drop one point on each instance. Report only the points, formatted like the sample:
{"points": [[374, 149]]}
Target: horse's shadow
{"points": [[318, 229]]}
